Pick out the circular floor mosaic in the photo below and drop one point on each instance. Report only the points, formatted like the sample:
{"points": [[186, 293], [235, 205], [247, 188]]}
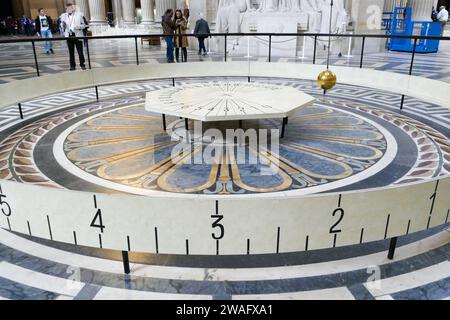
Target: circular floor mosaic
{"points": [[116, 146]]}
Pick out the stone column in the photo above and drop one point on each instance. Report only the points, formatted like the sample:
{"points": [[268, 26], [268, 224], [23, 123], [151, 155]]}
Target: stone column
{"points": [[198, 6], [389, 5], [129, 11], [117, 10], [17, 7], [421, 9], [26, 7], [97, 11], [60, 7], [148, 15], [83, 7], [162, 6], [211, 11]]}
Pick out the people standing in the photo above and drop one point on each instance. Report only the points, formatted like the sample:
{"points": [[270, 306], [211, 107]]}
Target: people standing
{"points": [[168, 26], [3, 27], [25, 26], [72, 24], [44, 26], [181, 41], [434, 14], [443, 17], [60, 28], [201, 31]]}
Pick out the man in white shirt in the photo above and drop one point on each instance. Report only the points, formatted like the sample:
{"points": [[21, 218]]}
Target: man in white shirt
{"points": [[43, 24], [72, 23], [443, 17]]}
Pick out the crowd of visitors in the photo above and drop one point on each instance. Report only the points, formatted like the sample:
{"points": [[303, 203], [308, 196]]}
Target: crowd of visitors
{"points": [[70, 24], [17, 26], [175, 25]]}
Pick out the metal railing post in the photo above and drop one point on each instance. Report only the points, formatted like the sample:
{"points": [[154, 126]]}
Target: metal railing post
{"points": [[362, 52], [315, 49], [225, 48], [413, 56], [35, 59], [392, 246], [96, 93], [402, 102], [137, 52], [88, 54], [20, 111], [270, 48], [126, 262], [410, 70]]}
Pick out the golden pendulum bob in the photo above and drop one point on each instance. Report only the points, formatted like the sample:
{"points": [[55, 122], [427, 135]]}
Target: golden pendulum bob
{"points": [[326, 80]]}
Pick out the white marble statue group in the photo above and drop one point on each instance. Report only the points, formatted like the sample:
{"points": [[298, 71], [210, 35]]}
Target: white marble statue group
{"points": [[319, 13]]}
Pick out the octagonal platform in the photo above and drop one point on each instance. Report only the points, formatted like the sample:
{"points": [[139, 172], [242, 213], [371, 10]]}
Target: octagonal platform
{"points": [[224, 101]]}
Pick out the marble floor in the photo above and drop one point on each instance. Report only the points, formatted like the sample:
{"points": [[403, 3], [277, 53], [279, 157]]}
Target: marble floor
{"points": [[36, 270], [17, 60], [352, 138]]}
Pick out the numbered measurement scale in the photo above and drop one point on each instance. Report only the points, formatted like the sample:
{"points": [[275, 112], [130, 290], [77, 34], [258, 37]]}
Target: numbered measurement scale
{"points": [[194, 225]]}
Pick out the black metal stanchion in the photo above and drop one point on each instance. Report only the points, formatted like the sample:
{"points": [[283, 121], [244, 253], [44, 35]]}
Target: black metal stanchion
{"points": [[96, 93], [164, 122], [410, 70], [225, 49], [315, 49], [137, 52], [173, 82], [186, 124], [392, 246], [20, 111], [126, 262], [35, 59], [362, 52], [283, 128], [413, 56], [270, 48], [88, 54], [402, 102]]}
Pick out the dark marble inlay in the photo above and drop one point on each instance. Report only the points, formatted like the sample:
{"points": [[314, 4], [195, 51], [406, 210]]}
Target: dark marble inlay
{"points": [[16, 291]]}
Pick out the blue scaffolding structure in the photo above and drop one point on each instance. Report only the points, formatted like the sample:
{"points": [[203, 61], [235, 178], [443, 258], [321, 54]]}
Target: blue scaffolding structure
{"points": [[402, 24]]}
